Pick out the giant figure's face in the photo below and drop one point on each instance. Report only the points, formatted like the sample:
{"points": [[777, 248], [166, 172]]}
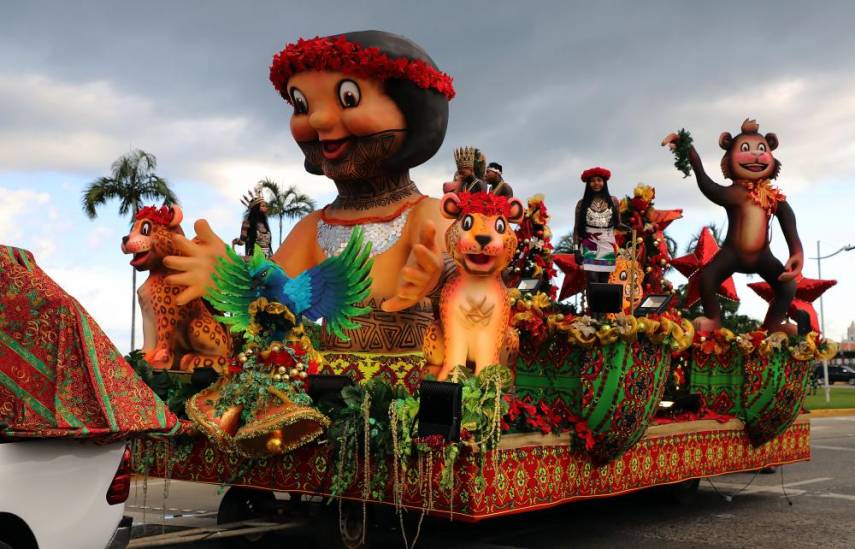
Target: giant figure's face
{"points": [[345, 124], [751, 158]]}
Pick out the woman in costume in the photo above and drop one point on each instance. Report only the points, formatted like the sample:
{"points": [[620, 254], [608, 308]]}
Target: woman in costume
{"points": [[597, 218], [255, 229], [368, 106]]}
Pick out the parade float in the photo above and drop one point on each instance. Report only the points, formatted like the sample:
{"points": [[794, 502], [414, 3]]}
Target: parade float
{"points": [[411, 353]]}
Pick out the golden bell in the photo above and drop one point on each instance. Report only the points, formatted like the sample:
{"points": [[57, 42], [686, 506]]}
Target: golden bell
{"points": [[274, 442], [280, 427]]}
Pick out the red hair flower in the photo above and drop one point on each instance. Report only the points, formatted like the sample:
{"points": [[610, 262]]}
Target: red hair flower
{"points": [[598, 171], [340, 55], [162, 216], [484, 203]]}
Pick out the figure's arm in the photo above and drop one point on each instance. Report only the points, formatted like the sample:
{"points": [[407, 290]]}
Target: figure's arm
{"points": [[719, 194], [577, 229], [244, 233], [300, 251], [716, 193], [795, 263]]}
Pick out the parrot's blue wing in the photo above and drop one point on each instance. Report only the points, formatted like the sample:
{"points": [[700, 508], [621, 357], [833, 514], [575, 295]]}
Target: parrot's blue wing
{"points": [[333, 289]]}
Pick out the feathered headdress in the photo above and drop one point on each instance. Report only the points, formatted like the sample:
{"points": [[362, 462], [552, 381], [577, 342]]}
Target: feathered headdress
{"points": [[253, 197], [464, 157]]}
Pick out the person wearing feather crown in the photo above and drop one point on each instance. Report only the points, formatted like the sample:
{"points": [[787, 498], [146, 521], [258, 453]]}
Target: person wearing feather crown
{"points": [[368, 106]]}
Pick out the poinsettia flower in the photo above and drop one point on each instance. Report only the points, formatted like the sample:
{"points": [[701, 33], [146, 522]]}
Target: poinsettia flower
{"points": [[645, 192], [235, 367]]}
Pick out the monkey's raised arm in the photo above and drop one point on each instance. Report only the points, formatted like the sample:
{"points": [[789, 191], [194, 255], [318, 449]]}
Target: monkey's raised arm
{"points": [[719, 194]]}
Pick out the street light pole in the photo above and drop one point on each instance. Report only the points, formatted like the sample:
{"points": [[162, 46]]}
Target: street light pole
{"points": [[822, 323], [819, 258]]}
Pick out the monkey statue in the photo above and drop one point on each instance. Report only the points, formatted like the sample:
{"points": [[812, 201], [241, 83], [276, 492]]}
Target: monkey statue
{"points": [[750, 201]]}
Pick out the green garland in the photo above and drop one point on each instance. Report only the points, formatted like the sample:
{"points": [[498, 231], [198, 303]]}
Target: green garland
{"points": [[681, 152], [393, 427], [173, 390], [250, 388]]}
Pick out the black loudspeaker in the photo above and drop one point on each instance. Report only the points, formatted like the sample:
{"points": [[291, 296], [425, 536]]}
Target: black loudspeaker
{"points": [[327, 389], [201, 378], [605, 298], [440, 409], [688, 403]]}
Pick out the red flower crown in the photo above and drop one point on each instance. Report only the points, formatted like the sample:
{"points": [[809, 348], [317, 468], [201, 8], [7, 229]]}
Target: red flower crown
{"points": [[339, 54], [162, 216], [598, 171], [484, 203]]}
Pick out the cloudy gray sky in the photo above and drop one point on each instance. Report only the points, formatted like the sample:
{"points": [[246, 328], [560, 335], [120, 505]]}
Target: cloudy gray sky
{"points": [[546, 89]]}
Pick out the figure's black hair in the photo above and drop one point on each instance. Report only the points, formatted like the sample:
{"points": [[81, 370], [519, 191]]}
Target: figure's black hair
{"points": [[425, 110], [254, 216]]}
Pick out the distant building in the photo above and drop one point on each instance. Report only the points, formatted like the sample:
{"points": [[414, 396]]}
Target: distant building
{"points": [[846, 356]]}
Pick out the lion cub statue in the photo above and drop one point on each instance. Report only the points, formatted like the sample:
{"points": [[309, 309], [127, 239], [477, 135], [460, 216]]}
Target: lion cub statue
{"points": [[186, 337], [474, 311]]}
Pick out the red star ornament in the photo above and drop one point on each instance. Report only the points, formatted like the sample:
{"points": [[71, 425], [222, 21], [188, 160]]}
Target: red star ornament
{"points": [[807, 291], [662, 218], [691, 266], [574, 277]]}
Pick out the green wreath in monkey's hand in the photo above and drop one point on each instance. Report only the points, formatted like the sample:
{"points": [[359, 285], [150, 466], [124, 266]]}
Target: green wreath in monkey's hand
{"points": [[681, 149]]}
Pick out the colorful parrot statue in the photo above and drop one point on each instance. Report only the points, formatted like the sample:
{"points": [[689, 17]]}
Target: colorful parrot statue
{"points": [[330, 290]]}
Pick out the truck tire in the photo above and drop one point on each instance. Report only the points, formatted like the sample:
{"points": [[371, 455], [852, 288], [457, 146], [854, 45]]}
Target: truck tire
{"points": [[245, 504]]}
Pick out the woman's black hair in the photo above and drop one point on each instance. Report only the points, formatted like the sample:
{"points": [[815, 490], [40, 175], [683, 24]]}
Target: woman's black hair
{"points": [[425, 110], [589, 197], [254, 216]]}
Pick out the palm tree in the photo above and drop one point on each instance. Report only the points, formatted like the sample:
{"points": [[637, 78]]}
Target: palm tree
{"points": [[565, 244], [132, 180], [290, 202]]}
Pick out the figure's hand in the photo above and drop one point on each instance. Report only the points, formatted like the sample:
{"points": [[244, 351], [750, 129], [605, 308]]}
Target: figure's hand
{"points": [[793, 268], [670, 141], [196, 262], [421, 274]]}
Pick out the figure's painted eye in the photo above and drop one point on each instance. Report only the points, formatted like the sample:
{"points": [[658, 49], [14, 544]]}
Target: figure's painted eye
{"points": [[744, 147], [761, 147], [145, 228], [467, 223], [301, 106], [623, 275], [500, 226], [348, 94]]}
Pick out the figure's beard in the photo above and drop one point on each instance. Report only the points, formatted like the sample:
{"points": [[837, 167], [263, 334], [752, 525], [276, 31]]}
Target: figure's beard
{"points": [[360, 174], [365, 157]]}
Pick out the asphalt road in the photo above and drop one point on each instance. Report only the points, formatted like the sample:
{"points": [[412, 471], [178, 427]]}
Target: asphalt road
{"points": [[803, 505]]}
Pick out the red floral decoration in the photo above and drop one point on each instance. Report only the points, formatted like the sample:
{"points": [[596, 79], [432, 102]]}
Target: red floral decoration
{"points": [[598, 171], [341, 55], [484, 203], [533, 256], [161, 216], [637, 211]]}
